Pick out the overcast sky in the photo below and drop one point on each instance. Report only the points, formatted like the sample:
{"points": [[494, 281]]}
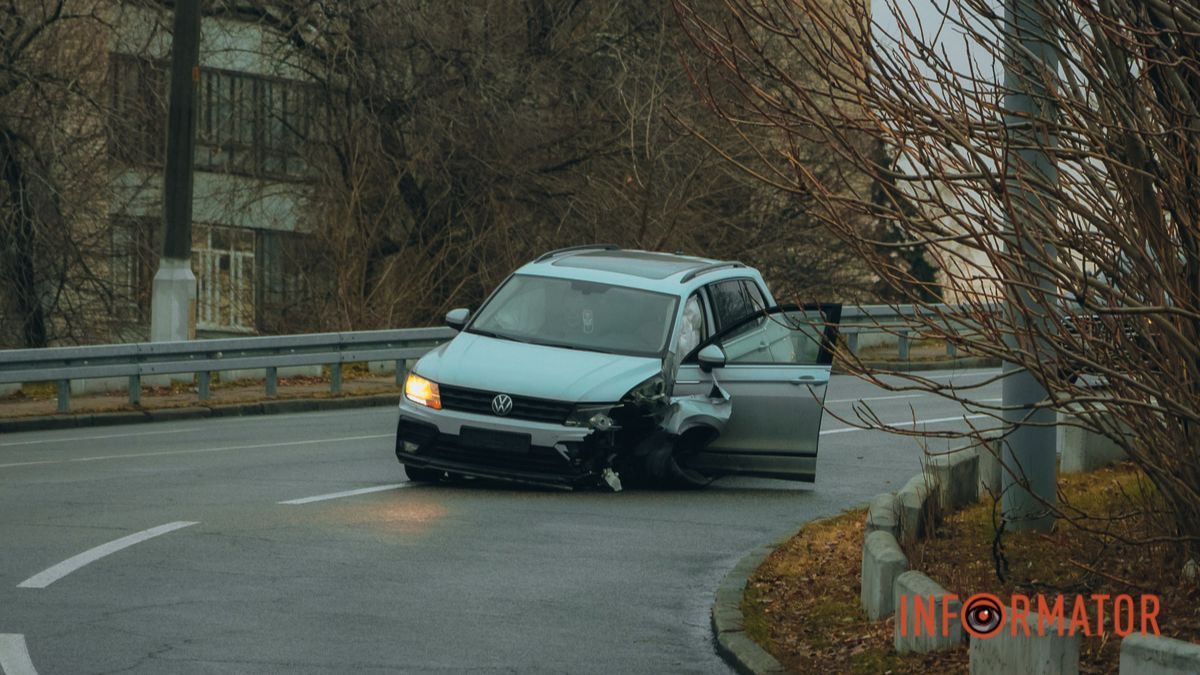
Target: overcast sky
{"points": [[927, 17]]}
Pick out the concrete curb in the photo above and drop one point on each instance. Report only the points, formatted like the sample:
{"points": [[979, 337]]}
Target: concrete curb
{"points": [[297, 405], [1147, 654], [739, 651]]}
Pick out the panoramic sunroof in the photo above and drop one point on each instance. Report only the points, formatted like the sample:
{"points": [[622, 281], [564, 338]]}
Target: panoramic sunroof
{"points": [[636, 263]]}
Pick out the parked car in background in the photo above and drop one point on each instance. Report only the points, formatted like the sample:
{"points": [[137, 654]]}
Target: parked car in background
{"points": [[594, 363]]}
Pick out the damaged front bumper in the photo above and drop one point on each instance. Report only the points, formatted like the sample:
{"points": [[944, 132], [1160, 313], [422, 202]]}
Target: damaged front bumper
{"points": [[643, 439], [515, 450]]}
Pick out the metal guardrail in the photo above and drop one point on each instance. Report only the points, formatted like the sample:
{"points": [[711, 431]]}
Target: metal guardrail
{"points": [[202, 357], [269, 353], [893, 319]]}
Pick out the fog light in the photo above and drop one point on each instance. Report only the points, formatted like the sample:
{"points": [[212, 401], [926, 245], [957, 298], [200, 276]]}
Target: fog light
{"points": [[600, 422], [410, 447]]}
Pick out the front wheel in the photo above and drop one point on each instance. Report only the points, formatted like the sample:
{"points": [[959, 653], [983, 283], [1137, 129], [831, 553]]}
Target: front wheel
{"points": [[666, 459], [421, 474]]}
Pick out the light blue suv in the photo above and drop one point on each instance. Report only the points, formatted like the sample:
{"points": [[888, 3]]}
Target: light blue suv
{"points": [[593, 363]]}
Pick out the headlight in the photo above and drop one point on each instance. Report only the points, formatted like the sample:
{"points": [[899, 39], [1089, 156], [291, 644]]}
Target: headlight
{"points": [[590, 415], [422, 391], [649, 391]]}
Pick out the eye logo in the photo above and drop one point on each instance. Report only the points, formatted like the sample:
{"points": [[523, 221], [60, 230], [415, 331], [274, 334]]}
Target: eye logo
{"points": [[983, 615]]}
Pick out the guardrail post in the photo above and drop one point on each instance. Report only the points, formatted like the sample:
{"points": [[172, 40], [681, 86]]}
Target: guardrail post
{"points": [[135, 389], [335, 378], [852, 342], [64, 395], [902, 344], [272, 380], [401, 371], [202, 386]]}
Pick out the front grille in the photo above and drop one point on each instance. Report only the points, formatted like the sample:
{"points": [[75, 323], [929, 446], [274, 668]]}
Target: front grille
{"points": [[537, 460], [524, 407]]}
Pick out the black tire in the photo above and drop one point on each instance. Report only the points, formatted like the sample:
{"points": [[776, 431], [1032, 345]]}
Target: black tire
{"points": [[420, 474], [666, 460]]}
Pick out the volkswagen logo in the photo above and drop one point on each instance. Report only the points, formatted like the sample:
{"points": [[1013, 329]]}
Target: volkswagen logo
{"points": [[502, 404]]}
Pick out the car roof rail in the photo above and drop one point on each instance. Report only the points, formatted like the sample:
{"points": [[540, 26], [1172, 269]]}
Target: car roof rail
{"points": [[713, 267], [571, 249]]}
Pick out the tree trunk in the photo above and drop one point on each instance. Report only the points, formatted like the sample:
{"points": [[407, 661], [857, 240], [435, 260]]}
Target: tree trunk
{"points": [[18, 220]]}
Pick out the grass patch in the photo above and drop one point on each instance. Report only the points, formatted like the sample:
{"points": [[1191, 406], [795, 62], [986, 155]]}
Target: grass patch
{"points": [[1097, 551], [755, 624], [802, 603]]}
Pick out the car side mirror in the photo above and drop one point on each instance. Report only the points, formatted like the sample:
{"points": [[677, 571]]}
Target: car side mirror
{"points": [[711, 357], [457, 318]]}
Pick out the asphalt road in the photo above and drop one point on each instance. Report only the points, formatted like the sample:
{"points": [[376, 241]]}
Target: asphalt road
{"points": [[480, 577]]}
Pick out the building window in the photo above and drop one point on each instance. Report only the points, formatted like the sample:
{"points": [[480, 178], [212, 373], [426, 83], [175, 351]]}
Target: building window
{"points": [[245, 124], [223, 261], [286, 127], [137, 130], [134, 262], [246, 280], [226, 122]]}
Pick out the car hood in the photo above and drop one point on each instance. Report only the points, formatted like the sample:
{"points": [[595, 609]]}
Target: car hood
{"points": [[492, 364]]}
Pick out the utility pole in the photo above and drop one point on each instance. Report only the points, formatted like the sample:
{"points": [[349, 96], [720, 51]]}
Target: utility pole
{"points": [[173, 306], [1030, 114]]}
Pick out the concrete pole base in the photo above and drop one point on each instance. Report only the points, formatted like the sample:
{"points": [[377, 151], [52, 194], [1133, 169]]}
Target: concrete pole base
{"points": [[173, 305], [172, 311]]}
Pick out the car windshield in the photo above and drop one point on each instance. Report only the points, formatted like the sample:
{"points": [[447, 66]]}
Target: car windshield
{"points": [[578, 315]]}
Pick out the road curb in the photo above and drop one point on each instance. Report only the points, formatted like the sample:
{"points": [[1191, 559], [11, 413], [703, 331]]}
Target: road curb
{"points": [[964, 363], [739, 651], [297, 405]]}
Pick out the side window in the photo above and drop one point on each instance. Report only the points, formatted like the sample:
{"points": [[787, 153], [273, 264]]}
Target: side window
{"points": [[731, 302], [691, 330], [755, 294], [792, 337]]}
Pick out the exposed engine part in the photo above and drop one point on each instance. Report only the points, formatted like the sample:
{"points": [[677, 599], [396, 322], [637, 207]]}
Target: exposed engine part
{"points": [[652, 435], [611, 477], [600, 422]]}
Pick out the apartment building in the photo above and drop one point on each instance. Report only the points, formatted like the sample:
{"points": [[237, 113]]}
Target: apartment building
{"points": [[255, 118]]}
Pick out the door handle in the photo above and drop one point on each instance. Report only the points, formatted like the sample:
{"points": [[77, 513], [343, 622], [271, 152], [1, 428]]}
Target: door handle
{"points": [[808, 379]]}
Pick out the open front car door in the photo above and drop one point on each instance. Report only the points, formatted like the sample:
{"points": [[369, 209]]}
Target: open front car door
{"points": [[775, 373]]}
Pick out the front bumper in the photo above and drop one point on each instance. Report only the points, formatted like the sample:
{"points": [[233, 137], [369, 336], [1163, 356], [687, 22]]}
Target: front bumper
{"points": [[557, 457]]}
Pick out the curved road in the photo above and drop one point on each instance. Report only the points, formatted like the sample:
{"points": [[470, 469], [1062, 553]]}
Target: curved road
{"points": [[172, 548]]}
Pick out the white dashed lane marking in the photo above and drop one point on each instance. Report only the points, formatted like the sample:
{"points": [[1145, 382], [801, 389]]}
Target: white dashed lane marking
{"points": [[14, 657], [226, 448], [908, 423], [69, 439], [50, 575], [347, 493]]}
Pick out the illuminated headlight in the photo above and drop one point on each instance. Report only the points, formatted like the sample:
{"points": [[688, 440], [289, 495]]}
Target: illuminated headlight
{"points": [[422, 391], [594, 416]]}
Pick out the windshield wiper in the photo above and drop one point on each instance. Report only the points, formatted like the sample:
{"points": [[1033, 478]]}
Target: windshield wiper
{"points": [[577, 347], [498, 336]]}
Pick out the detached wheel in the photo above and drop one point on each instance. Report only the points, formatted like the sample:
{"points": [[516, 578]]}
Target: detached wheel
{"points": [[423, 474]]}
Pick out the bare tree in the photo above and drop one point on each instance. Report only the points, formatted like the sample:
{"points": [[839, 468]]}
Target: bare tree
{"points": [[458, 141], [53, 220], [1108, 282]]}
